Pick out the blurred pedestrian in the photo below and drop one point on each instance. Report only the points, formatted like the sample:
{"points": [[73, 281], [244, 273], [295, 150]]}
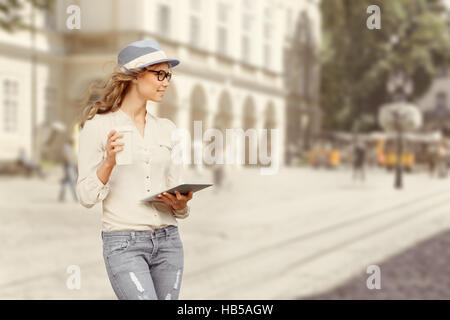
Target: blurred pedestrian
{"points": [[28, 165], [442, 161], [432, 156], [359, 158], [218, 176], [69, 165]]}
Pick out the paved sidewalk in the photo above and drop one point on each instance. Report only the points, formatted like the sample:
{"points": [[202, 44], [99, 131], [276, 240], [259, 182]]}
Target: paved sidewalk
{"points": [[299, 233]]}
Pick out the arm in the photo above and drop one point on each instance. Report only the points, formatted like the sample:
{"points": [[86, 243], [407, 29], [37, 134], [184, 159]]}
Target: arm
{"points": [[93, 170]]}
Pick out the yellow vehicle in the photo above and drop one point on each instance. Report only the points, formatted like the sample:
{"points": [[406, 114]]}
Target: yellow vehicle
{"points": [[408, 160], [329, 158], [389, 155]]}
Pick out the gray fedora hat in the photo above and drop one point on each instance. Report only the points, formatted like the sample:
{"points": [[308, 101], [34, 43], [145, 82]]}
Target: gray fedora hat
{"points": [[141, 54]]}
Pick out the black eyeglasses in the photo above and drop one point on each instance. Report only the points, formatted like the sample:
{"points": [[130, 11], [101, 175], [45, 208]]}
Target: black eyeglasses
{"points": [[162, 74]]}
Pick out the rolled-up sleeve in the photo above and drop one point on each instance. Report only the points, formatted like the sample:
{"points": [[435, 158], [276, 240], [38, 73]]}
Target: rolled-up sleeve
{"points": [[90, 189], [175, 177], [183, 213]]}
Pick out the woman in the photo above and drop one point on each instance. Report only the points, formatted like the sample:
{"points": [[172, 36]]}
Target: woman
{"points": [[142, 248]]}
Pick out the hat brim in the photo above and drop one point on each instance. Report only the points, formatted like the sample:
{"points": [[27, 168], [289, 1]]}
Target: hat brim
{"points": [[172, 63]]}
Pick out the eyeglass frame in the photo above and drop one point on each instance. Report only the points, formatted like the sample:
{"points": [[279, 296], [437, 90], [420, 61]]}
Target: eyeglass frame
{"points": [[167, 75]]}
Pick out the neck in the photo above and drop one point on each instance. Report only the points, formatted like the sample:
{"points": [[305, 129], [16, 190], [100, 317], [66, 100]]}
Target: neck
{"points": [[133, 104]]}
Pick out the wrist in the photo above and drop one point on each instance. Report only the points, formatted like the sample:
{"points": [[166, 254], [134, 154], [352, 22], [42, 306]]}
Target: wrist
{"points": [[179, 208], [108, 164]]}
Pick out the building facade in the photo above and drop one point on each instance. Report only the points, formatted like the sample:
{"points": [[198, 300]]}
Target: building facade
{"points": [[244, 64], [435, 106]]}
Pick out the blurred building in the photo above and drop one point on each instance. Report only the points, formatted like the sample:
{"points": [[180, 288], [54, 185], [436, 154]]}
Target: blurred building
{"points": [[435, 106], [244, 64]]}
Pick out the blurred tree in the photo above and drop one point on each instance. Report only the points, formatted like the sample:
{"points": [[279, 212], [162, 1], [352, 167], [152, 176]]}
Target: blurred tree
{"points": [[356, 62], [12, 17]]}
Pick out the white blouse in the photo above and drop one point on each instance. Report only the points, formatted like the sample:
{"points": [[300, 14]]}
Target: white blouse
{"points": [[152, 172]]}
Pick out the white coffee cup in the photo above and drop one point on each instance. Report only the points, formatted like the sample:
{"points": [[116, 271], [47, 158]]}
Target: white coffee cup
{"points": [[125, 156]]}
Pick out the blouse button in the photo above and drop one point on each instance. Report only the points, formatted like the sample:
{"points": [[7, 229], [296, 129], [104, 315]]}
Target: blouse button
{"points": [[148, 190]]}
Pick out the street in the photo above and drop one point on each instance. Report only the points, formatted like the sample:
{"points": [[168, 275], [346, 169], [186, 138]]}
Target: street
{"points": [[299, 234]]}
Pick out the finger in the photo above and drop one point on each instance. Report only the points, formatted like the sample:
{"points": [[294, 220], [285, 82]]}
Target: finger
{"points": [[178, 195], [166, 200], [116, 136], [173, 198], [115, 145], [190, 194], [168, 195], [111, 133]]}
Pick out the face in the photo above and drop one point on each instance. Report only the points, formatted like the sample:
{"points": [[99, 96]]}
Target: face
{"points": [[148, 84]]}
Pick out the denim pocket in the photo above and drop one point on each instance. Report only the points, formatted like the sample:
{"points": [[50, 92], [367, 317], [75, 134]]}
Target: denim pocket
{"points": [[115, 246]]}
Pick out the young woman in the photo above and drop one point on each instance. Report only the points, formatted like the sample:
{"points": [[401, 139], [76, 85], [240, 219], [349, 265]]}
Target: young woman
{"points": [[142, 248]]}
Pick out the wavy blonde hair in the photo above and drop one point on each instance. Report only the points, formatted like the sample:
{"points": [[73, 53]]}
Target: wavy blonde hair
{"points": [[108, 93]]}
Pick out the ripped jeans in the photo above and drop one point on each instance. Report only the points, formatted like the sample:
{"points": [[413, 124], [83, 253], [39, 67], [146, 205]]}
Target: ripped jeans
{"points": [[144, 265]]}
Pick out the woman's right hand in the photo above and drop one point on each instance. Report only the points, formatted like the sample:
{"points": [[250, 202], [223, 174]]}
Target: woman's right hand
{"points": [[113, 146]]}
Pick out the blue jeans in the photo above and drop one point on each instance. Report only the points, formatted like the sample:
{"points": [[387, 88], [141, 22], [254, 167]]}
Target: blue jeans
{"points": [[144, 265]]}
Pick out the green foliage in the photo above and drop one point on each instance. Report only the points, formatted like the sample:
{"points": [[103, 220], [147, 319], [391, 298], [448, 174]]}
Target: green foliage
{"points": [[357, 62], [13, 17]]}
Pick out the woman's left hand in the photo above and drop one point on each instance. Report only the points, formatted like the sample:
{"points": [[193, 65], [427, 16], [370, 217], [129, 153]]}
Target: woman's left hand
{"points": [[177, 202]]}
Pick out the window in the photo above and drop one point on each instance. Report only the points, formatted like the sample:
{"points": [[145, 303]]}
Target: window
{"points": [[196, 5], [245, 47], [288, 21], [195, 23], [267, 53], [163, 18], [222, 40], [195, 31], [10, 105], [247, 21], [222, 12], [267, 36], [267, 24], [50, 19], [222, 28]]}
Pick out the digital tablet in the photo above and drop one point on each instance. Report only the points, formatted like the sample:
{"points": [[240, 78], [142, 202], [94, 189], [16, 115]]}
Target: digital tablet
{"points": [[182, 188]]}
